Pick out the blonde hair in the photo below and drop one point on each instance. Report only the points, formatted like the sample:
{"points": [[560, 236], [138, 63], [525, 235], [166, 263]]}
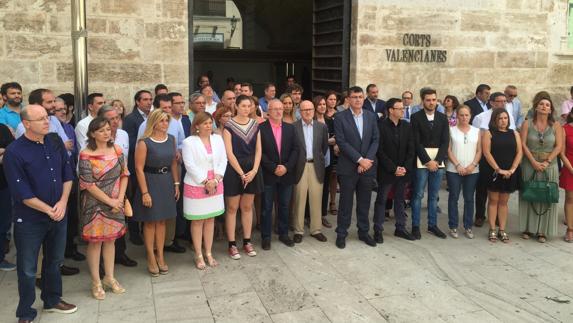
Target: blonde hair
{"points": [[152, 120]]}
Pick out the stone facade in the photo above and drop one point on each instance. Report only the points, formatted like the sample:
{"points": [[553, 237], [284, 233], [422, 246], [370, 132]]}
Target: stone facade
{"points": [[132, 44], [498, 42]]}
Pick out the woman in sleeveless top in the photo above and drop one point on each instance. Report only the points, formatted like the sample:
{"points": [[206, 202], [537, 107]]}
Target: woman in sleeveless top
{"points": [[158, 187], [242, 178], [103, 178], [542, 143], [462, 171], [566, 178], [503, 152]]}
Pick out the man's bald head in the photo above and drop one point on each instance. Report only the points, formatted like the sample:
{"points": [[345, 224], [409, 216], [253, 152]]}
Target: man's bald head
{"points": [[306, 111], [35, 121]]}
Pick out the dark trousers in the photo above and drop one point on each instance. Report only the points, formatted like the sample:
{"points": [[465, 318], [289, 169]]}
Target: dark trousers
{"points": [[132, 226], [361, 186], [28, 237], [326, 189], [182, 225], [73, 218], [284, 194], [5, 218], [481, 195], [380, 206]]}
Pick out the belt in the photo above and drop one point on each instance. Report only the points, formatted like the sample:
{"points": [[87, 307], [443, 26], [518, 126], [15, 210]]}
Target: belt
{"points": [[157, 170], [310, 160], [540, 156]]}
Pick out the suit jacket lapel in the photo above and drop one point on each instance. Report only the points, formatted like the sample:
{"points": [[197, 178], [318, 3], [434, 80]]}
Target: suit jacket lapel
{"points": [[315, 137], [298, 128]]}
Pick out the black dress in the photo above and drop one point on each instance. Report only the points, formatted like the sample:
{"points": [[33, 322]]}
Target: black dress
{"points": [[503, 150], [244, 142]]}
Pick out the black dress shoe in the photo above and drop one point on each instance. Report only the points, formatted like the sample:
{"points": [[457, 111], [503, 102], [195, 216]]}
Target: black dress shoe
{"points": [[416, 233], [286, 240], [75, 255], [403, 233], [136, 239], [479, 222], [368, 240], [266, 244], [437, 232], [175, 248], [69, 271], [341, 242], [319, 236], [126, 261], [378, 237], [297, 238]]}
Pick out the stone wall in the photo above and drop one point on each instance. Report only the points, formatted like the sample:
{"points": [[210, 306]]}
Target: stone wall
{"points": [[132, 44], [498, 42]]}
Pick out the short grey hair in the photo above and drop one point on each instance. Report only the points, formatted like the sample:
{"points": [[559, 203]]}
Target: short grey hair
{"points": [[193, 97], [24, 113], [105, 109], [58, 99]]}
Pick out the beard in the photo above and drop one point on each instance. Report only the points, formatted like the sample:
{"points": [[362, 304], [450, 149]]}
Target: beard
{"points": [[14, 102]]}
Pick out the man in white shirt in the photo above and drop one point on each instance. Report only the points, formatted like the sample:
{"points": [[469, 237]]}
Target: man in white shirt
{"points": [[95, 102], [513, 105]]}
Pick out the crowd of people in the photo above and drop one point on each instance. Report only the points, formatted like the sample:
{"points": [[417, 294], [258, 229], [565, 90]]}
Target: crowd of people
{"points": [[164, 173]]}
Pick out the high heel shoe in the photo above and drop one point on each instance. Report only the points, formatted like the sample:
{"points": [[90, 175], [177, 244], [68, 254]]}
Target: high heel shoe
{"points": [[163, 270], [200, 262], [153, 273], [211, 261], [97, 291], [114, 286]]}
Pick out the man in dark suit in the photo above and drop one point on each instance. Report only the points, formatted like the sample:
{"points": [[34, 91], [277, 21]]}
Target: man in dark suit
{"points": [[312, 142], [372, 103], [395, 164], [356, 132], [480, 103], [278, 161], [131, 125], [431, 132]]}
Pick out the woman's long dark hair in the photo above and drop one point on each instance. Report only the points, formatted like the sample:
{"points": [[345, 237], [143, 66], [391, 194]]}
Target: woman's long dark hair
{"points": [[495, 115], [94, 126]]}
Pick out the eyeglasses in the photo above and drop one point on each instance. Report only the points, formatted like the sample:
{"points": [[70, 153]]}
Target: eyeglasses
{"points": [[354, 97], [182, 102], [540, 136], [60, 110], [406, 98]]}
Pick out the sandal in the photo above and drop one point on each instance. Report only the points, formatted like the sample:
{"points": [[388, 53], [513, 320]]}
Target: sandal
{"points": [[526, 235], [211, 261], [569, 235], [503, 237], [541, 238], [97, 291], [163, 270], [492, 236], [153, 272], [333, 209], [200, 262], [114, 286]]}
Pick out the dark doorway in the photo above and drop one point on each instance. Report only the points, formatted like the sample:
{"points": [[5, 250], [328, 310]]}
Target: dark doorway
{"points": [[259, 41]]}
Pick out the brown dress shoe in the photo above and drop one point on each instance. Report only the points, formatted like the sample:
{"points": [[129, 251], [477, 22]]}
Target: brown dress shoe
{"points": [[62, 308], [479, 222], [319, 236], [325, 223]]}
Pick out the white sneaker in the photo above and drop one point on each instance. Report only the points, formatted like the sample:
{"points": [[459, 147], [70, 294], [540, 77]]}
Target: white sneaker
{"points": [[469, 234], [454, 233]]}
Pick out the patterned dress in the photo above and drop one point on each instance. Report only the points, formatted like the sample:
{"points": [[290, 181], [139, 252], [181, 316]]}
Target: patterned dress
{"points": [[244, 142], [97, 221]]}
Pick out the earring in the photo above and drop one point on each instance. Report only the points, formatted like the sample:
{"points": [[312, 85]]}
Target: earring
{"points": [[197, 131]]}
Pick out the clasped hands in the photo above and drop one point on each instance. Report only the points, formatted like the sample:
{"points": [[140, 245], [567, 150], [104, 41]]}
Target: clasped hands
{"points": [[364, 165]]}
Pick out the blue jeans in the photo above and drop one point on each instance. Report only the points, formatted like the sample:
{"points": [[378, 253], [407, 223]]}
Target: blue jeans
{"points": [[283, 193], [29, 236], [5, 218], [434, 180], [467, 184]]}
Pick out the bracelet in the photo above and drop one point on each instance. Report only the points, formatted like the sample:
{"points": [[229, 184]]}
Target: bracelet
{"points": [[142, 194], [458, 165], [176, 183]]}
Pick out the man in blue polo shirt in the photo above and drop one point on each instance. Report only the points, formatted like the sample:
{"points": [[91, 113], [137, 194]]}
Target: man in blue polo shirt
{"points": [[39, 175], [10, 112]]}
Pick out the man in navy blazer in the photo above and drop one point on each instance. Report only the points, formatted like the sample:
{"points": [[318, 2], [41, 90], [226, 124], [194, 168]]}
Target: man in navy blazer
{"points": [[278, 161], [356, 133], [131, 125], [480, 103], [372, 102]]}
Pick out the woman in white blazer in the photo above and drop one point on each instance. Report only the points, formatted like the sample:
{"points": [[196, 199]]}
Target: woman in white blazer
{"points": [[205, 161]]}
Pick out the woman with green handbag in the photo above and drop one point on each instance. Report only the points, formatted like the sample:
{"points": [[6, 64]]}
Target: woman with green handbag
{"points": [[542, 142]]}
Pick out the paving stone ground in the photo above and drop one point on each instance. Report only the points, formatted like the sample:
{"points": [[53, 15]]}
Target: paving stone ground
{"points": [[432, 280]]}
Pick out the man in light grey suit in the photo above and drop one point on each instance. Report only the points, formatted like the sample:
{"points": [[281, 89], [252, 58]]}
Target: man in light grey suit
{"points": [[312, 140], [513, 105], [356, 132]]}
